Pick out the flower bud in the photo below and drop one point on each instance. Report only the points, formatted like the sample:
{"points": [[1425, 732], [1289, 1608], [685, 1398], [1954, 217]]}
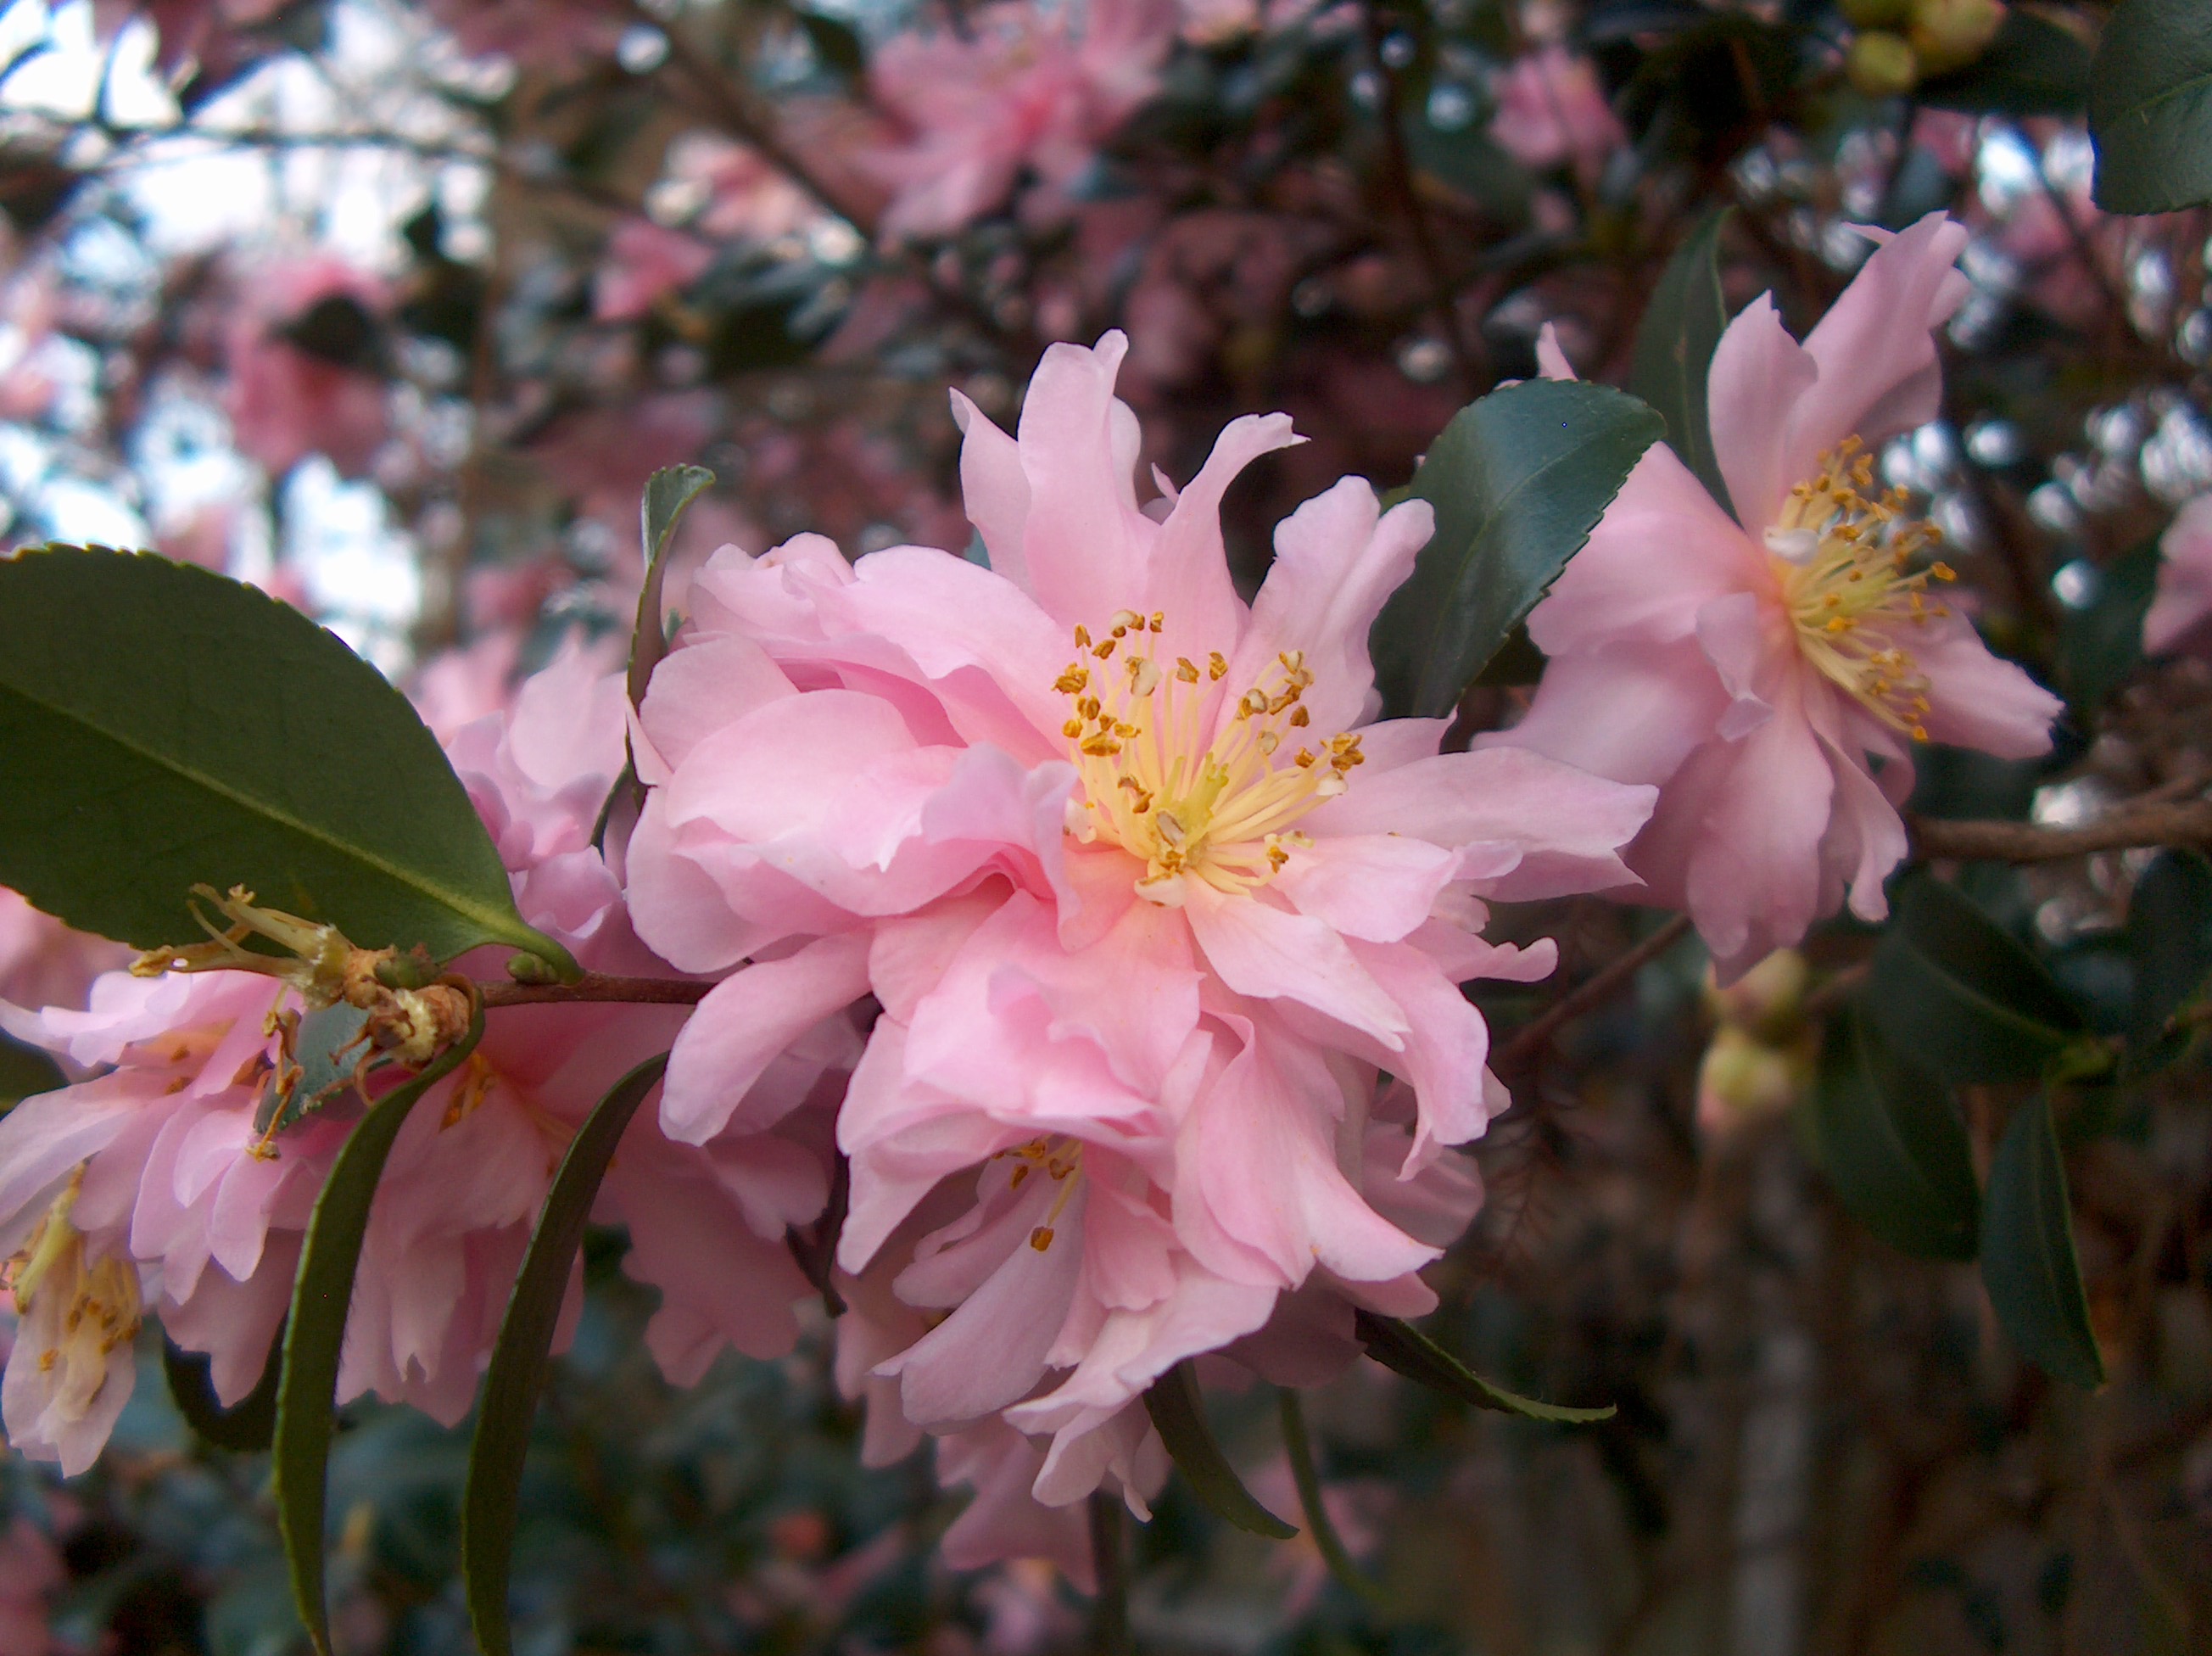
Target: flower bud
{"points": [[1883, 65], [1948, 34], [1742, 1079], [1767, 1001]]}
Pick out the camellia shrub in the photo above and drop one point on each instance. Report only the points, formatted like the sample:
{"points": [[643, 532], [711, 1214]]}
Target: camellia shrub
{"points": [[1158, 822]]}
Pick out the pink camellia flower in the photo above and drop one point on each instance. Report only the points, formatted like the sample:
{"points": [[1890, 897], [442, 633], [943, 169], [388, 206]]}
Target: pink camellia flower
{"points": [[151, 1186], [644, 262], [1024, 87], [2183, 603], [301, 382], [1145, 897], [1551, 111], [1771, 674]]}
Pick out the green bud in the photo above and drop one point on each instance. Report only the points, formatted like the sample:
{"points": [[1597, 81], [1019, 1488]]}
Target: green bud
{"points": [[1882, 65], [1948, 34], [529, 969]]}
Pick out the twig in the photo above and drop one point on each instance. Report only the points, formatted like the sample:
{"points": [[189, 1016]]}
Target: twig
{"points": [[1530, 1040], [2182, 822], [595, 986], [1110, 1615]]}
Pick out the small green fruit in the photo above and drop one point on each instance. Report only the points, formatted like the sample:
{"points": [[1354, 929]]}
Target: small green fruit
{"points": [[1948, 34], [1883, 65]]}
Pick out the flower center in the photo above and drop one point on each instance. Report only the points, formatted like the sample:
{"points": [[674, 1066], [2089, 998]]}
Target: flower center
{"points": [[1850, 577], [86, 1310], [1222, 812], [1059, 1159]]}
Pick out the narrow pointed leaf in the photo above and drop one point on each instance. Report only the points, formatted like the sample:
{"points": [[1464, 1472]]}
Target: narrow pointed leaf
{"points": [[2029, 1263], [1518, 479], [322, 1294], [490, 1505], [162, 726], [1950, 991], [2150, 107], [2168, 941], [1401, 1346], [248, 1426], [1179, 1415], [1674, 348], [1894, 1146], [1298, 1447], [667, 493]]}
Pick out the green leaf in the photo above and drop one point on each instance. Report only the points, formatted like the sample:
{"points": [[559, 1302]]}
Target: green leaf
{"points": [[1951, 991], [1518, 479], [1179, 1415], [322, 1294], [2028, 1264], [2101, 644], [1893, 1146], [25, 1071], [836, 44], [2150, 107], [2168, 944], [1401, 1346], [1299, 1448], [244, 1428], [1467, 160], [326, 1068], [161, 725], [491, 1502], [1674, 346], [2033, 67], [667, 493]]}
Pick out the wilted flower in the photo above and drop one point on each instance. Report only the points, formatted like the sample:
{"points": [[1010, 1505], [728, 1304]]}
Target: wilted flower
{"points": [[1772, 674]]}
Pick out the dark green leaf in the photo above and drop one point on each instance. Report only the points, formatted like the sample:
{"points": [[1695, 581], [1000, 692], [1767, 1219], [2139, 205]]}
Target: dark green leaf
{"points": [[2101, 644], [1179, 1415], [2034, 67], [1401, 1346], [1893, 1146], [2150, 107], [1950, 991], [2028, 1264], [1469, 161], [836, 44], [2168, 943], [490, 1506], [162, 726], [667, 493], [25, 1070], [244, 1428], [327, 1048], [322, 1294], [1518, 479], [1299, 1448], [1675, 350]]}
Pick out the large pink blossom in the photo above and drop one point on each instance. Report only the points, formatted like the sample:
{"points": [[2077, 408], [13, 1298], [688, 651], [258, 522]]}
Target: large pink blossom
{"points": [[2184, 600], [150, 1186], [1022, 87], [1771, 674], [1146, 899]]}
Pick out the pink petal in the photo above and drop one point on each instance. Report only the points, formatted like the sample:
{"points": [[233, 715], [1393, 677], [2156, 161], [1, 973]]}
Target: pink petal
{"points": [[1629, 711], [1377, 887], [745, 1022], [1759, 378], [1978, 700], [1188, 565], [1263, 952], [995, 490], [1879, 372]]}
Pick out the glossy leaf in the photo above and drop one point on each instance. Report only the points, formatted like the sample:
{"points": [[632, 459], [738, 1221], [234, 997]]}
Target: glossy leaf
{"points": [[1518, 479], [2168, 944], [327, 1052], [1674, 348], [1298, 1447], [1892, 1144], [1179, 1415], [836, 43], [667, 493], [1950, 991], [2150, 107], [2029, 1263], [2033, 67], [246, 1427], [322, 1294], [162, 726], [1401, 1346], [491, 1502], [25, 1070]]}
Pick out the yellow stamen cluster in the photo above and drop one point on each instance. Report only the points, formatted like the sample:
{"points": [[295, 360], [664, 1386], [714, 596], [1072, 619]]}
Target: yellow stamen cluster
{"points": [[1851, 565], [101, 1306], [1220, 813], [1058, 1158]]}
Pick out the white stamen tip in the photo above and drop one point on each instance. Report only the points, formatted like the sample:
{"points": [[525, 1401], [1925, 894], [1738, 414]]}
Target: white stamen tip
{"points": [[1793, 545]]}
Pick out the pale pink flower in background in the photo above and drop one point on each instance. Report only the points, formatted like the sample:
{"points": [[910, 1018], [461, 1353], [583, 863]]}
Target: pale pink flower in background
{"points": [[644, 262], [1025, 88], [555, 34], [1771, 676], [1550, 110], [285, 401], [744, 196], [2183, 603], [31, 1574], [1145, 900]]}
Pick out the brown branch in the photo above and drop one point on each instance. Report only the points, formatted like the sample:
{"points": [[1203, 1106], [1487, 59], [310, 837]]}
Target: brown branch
{"points": [[1530, 1039], [593, 986], [2182, 822]]}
